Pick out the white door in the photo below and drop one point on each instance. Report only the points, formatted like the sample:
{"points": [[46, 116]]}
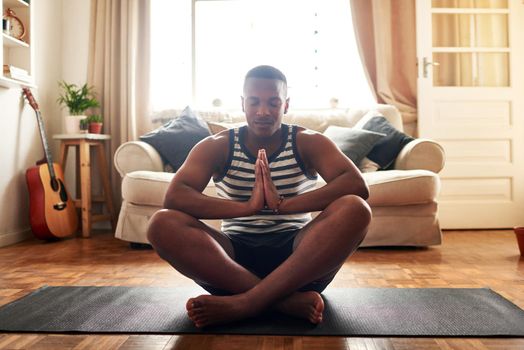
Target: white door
{"points": [[471, 100]]}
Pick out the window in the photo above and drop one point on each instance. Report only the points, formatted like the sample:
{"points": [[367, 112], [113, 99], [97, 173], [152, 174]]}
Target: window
{"points": [[171, 62], [311, 41]]}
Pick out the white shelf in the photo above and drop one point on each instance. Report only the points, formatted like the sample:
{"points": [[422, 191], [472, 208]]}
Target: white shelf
{"points": [[12, 83], [9, 41], [15, 3], [15, 52]]}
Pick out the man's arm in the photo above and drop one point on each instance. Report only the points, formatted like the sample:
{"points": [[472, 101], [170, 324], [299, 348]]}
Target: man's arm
{"points": [[185, 191], [342, 176]]}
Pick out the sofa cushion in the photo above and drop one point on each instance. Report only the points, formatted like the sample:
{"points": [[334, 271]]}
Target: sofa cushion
{"points": [[387, 188], [146, 187], [320, 120], [175, 139], [402, 187], [150, 187], [354, 143], [386, 150]]}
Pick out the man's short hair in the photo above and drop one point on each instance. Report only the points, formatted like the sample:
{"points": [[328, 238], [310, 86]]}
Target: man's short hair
{"points": [[267, 72]]}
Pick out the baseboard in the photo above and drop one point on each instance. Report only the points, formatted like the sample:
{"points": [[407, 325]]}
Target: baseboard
{"points": [[14, 237]]}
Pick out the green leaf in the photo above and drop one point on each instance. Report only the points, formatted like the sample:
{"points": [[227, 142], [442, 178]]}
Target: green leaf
{"points": [[77, 99]]}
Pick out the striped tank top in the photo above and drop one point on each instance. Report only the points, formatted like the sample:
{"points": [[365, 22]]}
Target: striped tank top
{"points": [[288, 175]]}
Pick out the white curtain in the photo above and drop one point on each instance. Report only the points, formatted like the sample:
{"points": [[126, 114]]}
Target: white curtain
{"points": [[119, 70], [385, 32]]}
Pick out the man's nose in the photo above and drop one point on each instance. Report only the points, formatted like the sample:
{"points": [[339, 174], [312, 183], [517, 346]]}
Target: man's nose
{"points": [[262, 109]]}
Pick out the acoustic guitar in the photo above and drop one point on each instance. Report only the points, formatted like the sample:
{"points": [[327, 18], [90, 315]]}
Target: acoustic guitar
{"points": [[52, 211]]}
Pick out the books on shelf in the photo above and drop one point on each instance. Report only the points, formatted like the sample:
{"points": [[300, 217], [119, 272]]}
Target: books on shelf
{"points": [[16, 73]]}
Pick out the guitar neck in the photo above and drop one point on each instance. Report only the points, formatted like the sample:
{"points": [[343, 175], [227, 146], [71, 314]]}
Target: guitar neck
{"points": [[29, 96], [43, 137]]}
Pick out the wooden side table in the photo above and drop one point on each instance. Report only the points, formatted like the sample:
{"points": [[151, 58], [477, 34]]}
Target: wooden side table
{"points": [[83, 144]]}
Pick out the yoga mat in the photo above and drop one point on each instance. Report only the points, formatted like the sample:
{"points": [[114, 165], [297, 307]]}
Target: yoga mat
{"points": [[435, 312]]}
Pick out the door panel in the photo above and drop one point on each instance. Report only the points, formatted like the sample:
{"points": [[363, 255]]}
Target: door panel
{"points": [[471, 100]]}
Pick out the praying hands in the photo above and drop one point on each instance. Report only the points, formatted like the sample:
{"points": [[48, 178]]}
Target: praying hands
{"points": [[265, 194]]}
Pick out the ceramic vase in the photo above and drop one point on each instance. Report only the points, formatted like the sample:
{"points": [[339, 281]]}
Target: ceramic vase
{"points": [[72, 123]]}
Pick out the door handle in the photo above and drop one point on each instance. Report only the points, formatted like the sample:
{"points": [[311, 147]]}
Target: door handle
{"points": [[425, 64]]}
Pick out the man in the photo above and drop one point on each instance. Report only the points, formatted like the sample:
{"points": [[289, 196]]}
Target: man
{"points": [[270, 253]]}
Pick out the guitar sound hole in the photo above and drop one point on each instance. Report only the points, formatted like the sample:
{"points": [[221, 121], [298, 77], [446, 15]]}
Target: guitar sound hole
{"points": [[60, 206]]}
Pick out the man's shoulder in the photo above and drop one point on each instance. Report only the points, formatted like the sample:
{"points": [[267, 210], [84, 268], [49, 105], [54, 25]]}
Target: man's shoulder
{"points": [[311, 142], [214, 144], [220, 138], [308, 135]]}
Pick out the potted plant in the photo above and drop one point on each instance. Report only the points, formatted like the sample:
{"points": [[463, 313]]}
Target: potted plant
{"points": [[95, 123], [84, 125], [77, 100]]}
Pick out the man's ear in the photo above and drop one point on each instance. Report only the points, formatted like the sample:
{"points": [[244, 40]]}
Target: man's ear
{"points": [[286, 107], [242, 100]]}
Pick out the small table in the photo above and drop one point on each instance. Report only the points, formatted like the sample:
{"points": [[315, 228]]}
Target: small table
{"points": [[83, 144]]}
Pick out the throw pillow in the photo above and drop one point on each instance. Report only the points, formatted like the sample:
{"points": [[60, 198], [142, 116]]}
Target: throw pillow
{"points": [[386, 150], [175, 139], [354, 143]]}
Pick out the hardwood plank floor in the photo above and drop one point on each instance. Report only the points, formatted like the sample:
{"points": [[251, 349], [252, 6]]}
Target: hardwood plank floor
{"points": [[466, 259]]}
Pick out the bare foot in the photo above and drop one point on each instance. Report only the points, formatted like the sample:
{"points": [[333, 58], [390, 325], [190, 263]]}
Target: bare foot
{"points": [[207, 310], [306, 305]]}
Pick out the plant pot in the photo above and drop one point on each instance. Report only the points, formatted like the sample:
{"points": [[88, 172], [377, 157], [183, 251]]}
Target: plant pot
{"points": [[72, 123], [519, 233], [95, 128]]}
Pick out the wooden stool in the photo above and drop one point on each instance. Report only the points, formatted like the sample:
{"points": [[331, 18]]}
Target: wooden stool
{"points": [[83, 144]]}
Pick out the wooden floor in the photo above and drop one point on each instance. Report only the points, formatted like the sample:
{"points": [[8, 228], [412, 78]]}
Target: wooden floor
{"points": [[466, 259]]}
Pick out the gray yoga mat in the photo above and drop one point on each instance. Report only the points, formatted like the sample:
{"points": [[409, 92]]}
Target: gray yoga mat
{"points": [[437, 312]]}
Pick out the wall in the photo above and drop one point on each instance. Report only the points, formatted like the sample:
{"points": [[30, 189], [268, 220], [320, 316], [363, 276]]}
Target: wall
{"points": [[60, 37], [75, 40]]}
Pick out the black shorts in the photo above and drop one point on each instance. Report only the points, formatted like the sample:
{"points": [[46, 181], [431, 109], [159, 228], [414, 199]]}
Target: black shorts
{"points": [[261, 260]]}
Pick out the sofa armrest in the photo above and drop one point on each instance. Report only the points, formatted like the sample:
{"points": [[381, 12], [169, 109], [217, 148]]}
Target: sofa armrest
{"points": [[421, 154], [137, 155]]}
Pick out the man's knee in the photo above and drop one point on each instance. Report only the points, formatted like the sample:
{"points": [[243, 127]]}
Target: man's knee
{"points": [[355, 211], [162, 224], [354, 205]]}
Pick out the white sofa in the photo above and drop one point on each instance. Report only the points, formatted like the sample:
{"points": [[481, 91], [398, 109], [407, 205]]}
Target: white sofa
{"points": [[403, 200]]}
